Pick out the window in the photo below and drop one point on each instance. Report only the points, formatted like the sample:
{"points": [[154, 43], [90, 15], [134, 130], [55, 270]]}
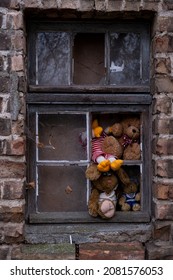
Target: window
{"points": [[80, 71]]}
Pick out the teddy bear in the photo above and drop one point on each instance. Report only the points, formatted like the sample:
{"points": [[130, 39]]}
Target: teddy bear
{"points": [[127, 132], [104, 194], [130, 198], [106, 150]]}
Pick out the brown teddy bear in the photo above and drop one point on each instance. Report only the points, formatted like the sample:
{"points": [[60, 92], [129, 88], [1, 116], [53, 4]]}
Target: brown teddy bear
{"points": [[127, 132], [130, 198], [103, 197]]}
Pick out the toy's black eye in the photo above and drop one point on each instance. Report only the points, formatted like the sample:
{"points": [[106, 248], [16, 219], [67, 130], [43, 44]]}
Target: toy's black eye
{"points": [[107, 173]]}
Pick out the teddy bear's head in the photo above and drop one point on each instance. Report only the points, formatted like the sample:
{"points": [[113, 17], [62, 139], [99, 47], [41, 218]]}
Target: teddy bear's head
{"points": [[130, 188], [131, 127], [106, 182]]}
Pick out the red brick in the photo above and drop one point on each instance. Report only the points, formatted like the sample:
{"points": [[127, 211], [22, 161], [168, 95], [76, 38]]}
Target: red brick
{"points": [[5, 127], [163, 126], [159, 252], [164, 168], [164, 84], [10, 169], [162, 232], [163, 66], [163, 191], [163, 105], [13, 232], [13, 190], [164, 146], [17, 147], [111, 251], [164, 211]]}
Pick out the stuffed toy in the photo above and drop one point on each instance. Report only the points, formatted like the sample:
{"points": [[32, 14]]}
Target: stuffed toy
{"points": [[104, 194], [127, 132], [130, 198], [106, 150]]}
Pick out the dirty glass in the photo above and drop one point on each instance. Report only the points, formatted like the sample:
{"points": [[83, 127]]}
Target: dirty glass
{"points": [[59, 136], [125, 61], [53, 58], [61, 189]]}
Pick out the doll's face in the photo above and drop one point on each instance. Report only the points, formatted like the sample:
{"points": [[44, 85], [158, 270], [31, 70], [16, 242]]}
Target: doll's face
{"points": [[106, 182]]}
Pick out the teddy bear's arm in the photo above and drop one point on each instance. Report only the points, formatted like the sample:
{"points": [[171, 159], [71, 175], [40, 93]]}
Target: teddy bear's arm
{"points": [[138, 197], [93, 203]]}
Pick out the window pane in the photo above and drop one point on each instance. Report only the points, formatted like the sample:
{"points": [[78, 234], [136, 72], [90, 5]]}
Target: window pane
{"points": [[59, 136], [62, 188], [89, 59], [125, 59], [53, 58]]}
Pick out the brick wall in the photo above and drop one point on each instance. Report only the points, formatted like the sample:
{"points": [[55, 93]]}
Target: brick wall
{"points": [[152, 241]]}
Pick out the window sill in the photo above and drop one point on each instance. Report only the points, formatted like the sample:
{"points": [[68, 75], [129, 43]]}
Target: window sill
{"points": [[84, 217]]}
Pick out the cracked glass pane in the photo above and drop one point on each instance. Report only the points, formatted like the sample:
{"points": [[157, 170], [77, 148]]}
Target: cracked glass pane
{"points": [[125, 62], [53, 58]]}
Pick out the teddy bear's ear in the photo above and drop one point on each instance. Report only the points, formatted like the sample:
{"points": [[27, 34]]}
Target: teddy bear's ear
{"points": [[92, 172], [123, 176]]}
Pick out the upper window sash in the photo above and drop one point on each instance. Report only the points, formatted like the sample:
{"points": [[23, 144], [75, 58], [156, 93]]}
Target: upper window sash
{"points": [[71, 56]]}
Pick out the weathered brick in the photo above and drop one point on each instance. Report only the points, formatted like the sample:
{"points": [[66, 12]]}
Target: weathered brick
{"points": [[13, 190], [86, 5], [44, 252], [1, 64], [169, 4], [11, 169], [132, 5], [50, 4], [1, 19], [162, 232], [4, 84], [151, 5], [15, 20], [163, 44], [164, 211], [1, 101], [164, 146], [32, 4], [3, 147], [159, 252], [4, 250], [5, 41], [163, 105], [13, 232], [18, 41], [111, 251], [22, 84], [5, 127], [17, 63], [163, 126], [163, 66], [164, 84], [164, 168], [163, 191], [16, 147], [5, 3]]}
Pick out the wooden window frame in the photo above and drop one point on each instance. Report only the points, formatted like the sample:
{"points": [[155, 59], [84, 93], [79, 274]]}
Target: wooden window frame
{"points": [[89, 99]]}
